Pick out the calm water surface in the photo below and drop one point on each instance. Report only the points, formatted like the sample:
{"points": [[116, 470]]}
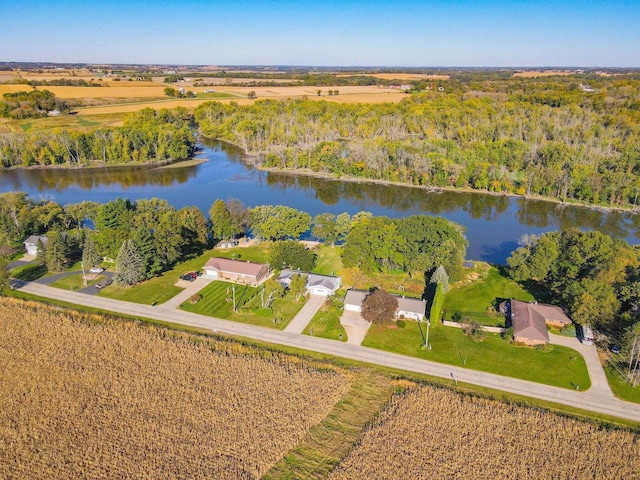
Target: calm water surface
{"points": [[494, 224]]}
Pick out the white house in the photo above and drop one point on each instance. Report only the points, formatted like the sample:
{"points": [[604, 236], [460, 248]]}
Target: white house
{"points": [[413, 308], [325, 285], [31, 244]]}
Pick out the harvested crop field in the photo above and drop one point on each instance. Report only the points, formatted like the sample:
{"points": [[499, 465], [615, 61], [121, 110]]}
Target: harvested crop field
{"points": [[401, 76], [86, 397], [434, 433]]}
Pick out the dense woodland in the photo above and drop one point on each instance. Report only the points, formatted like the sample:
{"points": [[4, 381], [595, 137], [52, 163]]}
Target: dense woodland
{"points": [[524, 137], [595, 276], [33, 104], [146, 136]]}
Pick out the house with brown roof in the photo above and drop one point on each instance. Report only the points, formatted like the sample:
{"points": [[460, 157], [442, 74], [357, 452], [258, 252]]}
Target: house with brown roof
{"points": [[237, 271], [530, 320], [413, 308]]}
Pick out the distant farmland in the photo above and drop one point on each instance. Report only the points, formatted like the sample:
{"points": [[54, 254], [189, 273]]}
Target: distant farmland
{"points": [[83, 397]]}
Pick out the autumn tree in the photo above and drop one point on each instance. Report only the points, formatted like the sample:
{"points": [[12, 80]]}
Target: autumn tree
{"points": [[379, 307]]}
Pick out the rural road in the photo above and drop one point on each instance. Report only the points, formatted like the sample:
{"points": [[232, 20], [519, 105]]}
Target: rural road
{"points": [[594, 401]]}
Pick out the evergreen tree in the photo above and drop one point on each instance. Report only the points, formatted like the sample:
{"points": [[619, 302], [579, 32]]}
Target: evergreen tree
{"points": [[129, 265], [57, 253], [90, 256], [440, 277]]}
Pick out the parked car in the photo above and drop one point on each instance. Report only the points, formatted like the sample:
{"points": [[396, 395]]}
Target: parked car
{"points": [[615, 349], [104, 283], [96, 270], [189, 277]]}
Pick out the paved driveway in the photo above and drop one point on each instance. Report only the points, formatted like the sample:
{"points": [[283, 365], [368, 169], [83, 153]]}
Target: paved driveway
{"points": [[355, 326], [306, 313], [599, 382]]}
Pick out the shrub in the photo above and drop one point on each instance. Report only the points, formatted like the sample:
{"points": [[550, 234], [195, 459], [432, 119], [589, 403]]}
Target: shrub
{"points": [[195, 298]]}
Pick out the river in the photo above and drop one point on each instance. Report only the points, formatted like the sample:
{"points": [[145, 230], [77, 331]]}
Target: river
{"points": [[494, 224]]}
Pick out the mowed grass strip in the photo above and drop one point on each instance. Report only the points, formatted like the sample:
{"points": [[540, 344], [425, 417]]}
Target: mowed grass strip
{"points": [[330, 441], [478, 298], [560, 367], [328, 260], [326, 324], [217, 301]]}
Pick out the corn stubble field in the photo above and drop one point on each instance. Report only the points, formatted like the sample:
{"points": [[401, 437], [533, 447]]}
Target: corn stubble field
{"points": [[428, 432], [84, 397]]}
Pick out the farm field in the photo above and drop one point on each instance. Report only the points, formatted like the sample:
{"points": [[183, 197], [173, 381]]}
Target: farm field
{"points": [[428, 432], [400, 76], [88, 397]]}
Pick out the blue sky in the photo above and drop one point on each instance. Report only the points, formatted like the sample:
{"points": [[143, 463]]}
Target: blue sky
{"points": [[368, 33]]}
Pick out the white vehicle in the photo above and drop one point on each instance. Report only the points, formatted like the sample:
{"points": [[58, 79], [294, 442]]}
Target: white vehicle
{"points": [[587, 335], [96, 270]]}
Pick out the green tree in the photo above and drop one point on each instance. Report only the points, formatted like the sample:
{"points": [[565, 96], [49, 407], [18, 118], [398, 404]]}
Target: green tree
{"points": [[56, 254], [4, 273], [324, 228], [129, 265], [291, 254], [90, 256], [379, 307], [440, 277], [298, 285], [275, 222], [435, 314], [221, 221]]}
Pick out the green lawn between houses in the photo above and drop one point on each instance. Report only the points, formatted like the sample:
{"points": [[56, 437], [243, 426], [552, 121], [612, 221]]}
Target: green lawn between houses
{"points": [[214, 303], [326, 322], [561, 367], [479, 298], [620, 387]]}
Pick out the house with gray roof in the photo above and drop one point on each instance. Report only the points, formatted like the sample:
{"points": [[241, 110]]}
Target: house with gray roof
{"points": [[31, 244], [413, 308], [325, 285]]}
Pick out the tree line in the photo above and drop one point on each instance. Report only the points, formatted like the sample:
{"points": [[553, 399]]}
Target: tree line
{"points": [[160, 235], [145, 136], [33, 104], [561, 142]]}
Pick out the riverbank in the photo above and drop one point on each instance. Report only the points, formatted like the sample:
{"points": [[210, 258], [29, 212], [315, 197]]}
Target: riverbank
{"points": [[254, 157], [190, 162], [435, 189]]}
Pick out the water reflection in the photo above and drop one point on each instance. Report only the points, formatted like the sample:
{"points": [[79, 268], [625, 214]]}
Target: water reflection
{"points": [[493, 223], [60, 179]]}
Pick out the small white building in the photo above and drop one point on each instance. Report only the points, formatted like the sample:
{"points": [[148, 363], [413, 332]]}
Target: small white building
{"points": [[31, 244], [325, 285]]}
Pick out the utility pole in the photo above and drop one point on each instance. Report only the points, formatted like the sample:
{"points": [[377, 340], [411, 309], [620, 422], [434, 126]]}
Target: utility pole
{"points": [[426, 342], [84, 275], [233, 289]]}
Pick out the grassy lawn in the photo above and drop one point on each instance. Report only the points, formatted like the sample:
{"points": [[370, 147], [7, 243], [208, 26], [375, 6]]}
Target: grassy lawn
{"points": [[328, 260], [74, 282], [326, 324], [621, 387], [478, 298], [561, 367], [29, 272], [255, 253], [162, 288], [214, 304]]}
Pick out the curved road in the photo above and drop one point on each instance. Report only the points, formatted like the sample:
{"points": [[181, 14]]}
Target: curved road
{"points": [[595, 401]]}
